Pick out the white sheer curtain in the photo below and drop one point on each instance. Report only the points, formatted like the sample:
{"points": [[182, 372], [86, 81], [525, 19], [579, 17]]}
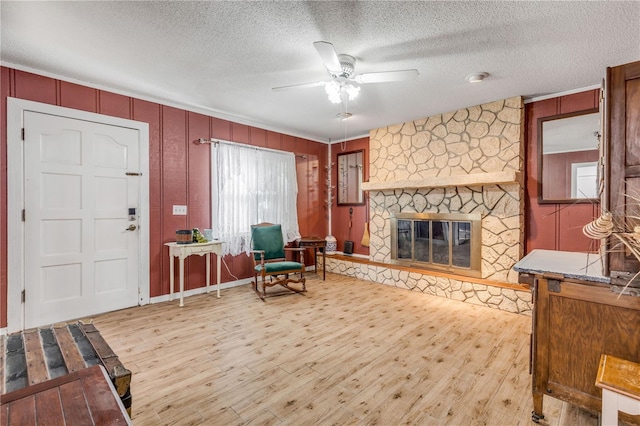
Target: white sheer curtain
{"points": [[252, 185]]}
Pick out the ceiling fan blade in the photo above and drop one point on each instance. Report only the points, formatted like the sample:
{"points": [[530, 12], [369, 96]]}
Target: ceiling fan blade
{"points": [[387, 76], [300, 86], [329, 56]]}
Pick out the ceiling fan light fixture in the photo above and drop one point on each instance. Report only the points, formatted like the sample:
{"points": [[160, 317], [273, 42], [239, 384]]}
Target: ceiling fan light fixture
{"points": [[333, 91], [352, 91], [343, 115], [477, 77], [348, 64]]}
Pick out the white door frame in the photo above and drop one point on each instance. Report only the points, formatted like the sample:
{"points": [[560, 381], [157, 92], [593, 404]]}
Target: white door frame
{"points": [[15, 199]]}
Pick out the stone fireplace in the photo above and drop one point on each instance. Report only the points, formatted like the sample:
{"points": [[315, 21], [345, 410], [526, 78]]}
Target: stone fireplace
{"points": [[466, 162]]}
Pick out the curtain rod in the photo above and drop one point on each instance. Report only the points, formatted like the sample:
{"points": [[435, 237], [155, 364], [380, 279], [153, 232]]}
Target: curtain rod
{"points": [[212, 141]]}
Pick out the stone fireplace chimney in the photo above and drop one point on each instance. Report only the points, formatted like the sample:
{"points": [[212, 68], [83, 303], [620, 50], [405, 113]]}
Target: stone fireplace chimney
{"points": [[467, 161]]}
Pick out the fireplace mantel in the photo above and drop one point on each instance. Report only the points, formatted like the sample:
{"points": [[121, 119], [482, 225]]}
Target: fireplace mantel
{"points": [[473, 179]]}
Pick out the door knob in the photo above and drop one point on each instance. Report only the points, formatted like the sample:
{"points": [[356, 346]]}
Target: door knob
{"points": [[131, 227]]}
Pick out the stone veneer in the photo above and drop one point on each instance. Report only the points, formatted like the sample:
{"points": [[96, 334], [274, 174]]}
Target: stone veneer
{"points": [[505, 299], [478, 140]]}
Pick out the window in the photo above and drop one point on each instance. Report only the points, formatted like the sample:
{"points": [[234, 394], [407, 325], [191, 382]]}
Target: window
{"points": [[251, 185]]}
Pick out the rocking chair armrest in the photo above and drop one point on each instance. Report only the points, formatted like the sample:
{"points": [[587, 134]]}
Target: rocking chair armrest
{"points": [[261, 253], [300, 250]]}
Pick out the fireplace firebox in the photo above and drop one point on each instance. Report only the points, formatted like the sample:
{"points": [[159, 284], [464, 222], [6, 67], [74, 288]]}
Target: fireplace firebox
{"points": [[441, 241]]}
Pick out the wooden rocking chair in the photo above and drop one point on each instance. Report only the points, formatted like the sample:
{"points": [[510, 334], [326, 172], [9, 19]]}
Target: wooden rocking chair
{"points": [[268, 252]]}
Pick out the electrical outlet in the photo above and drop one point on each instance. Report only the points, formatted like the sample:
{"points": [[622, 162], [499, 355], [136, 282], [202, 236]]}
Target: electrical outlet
{"points": [[179, 210]]}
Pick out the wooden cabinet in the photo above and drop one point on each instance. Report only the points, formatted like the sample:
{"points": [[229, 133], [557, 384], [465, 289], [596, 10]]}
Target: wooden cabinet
{"points": [[622, 157], [574, 322]]}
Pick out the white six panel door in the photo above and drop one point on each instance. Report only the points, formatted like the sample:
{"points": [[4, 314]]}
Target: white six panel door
{"points": [[81, 248]]}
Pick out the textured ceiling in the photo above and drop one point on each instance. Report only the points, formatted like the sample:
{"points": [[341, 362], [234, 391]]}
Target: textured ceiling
{"points": [[223, 58]]}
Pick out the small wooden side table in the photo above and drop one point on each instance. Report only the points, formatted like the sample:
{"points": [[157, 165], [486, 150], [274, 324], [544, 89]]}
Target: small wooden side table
{"points": [[315, 243], [182, 251]]}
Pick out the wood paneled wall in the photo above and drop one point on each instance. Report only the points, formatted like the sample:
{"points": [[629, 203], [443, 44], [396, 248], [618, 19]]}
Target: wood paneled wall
{"points": [[179, 170], [555, 226], [180, 174], [340, 214]]}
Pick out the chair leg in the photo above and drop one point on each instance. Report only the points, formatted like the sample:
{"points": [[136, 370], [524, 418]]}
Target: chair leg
{"points": [[264, 289], [257, 289]]}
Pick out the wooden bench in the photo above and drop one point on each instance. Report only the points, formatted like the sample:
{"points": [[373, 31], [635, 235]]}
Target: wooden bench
{"points": [[84, 397], [619, 380], [37, 355]]}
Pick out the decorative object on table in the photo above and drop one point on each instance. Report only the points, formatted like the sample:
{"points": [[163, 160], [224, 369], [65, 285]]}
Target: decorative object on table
{"points": [[332, 244], [600, 228], [626, 236], [184, 236], [208, 234], [198, 237]]}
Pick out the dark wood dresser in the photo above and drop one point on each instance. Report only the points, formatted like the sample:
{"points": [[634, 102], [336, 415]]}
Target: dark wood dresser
{"points": [[576, 318]]}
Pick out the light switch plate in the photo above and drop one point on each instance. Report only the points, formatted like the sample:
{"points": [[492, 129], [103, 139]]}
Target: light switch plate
{"points": [[179, 210]]}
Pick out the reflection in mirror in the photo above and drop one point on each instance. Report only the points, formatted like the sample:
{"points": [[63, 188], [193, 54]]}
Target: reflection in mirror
{"points": [[569, 156], [350, 171]]}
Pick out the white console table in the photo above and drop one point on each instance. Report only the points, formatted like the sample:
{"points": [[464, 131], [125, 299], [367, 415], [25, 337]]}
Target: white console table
{"points": [[182, 251]]}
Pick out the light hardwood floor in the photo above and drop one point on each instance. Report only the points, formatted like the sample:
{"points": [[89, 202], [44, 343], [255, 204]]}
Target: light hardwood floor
{"points": [[348, 352]]}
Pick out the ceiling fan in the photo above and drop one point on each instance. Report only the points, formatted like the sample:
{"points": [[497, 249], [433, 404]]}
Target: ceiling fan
{"points": [[341, 68]]}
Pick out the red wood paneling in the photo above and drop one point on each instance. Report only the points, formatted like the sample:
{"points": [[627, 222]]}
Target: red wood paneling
{"points": [[258, 137], [303, 191], [178, 171], [302, 174], [33, 87], [220, 129], [570, 223], [288, 143], [547, 225], [174, 176], [199, 193], [317, 212], [78, 97], [274, 140], [114, 104], [577, 101], [240, 133], [150, 113]]}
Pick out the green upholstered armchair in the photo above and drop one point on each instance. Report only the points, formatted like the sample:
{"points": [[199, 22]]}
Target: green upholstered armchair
{"points": [[268, 252]]}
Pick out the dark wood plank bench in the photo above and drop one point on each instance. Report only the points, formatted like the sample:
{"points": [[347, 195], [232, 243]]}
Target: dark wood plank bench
{"points": [[37, 355], [83, 397]]}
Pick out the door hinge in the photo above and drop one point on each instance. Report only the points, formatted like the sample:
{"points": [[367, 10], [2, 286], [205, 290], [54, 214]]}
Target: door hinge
{"points": [[553, 286], [133, 174], [22, 133], [23, 215], [22, 296]]}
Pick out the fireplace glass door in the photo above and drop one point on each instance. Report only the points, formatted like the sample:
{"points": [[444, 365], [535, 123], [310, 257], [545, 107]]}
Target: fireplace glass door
{"points": [[439, 241]]}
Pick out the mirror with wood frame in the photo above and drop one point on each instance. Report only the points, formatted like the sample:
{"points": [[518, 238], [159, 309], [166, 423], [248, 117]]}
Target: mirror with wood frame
{"points": [[350, 173], [568, 156]]}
